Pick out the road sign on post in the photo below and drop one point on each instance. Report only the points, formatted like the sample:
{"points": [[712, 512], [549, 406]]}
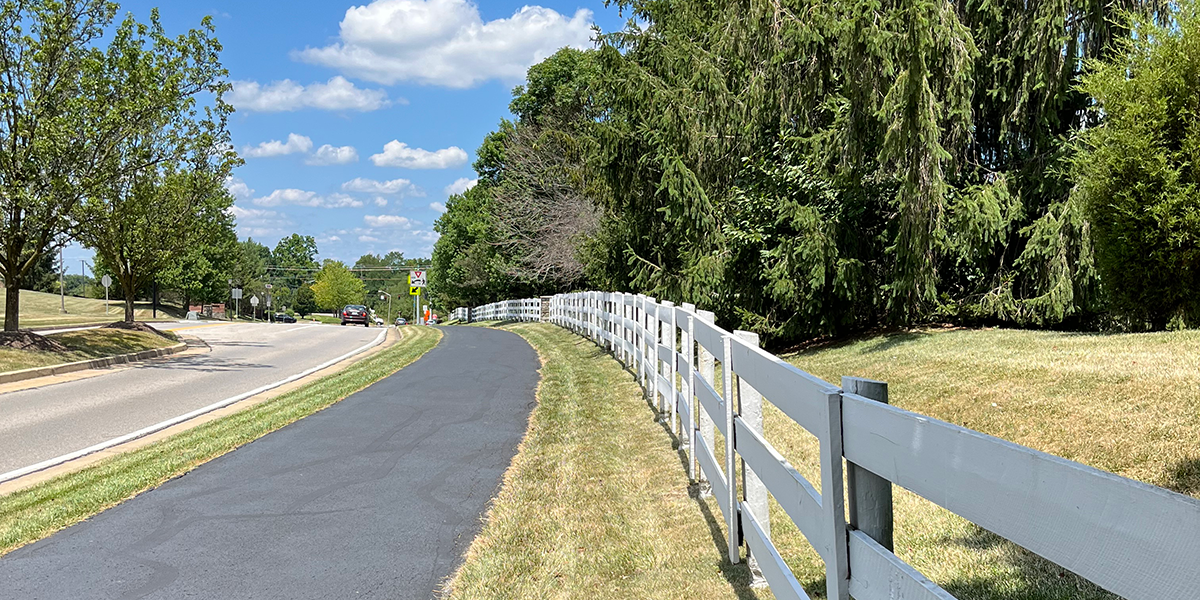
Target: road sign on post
{"points": [[414, 291], [254, 303], [106, 281], [416, 278]]}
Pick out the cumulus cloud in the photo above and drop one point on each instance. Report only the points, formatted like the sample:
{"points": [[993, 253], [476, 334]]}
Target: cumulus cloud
{"points": [[460, 185], [295, 197], [446, 42], [333, 155], [398, 154], [401, 187], [259, 222], [380, 201], [238, 188], [438, 206], [295, 144], [286, 96], [388, 221]]}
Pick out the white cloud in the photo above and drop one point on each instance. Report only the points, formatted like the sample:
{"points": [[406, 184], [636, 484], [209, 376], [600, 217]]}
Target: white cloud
{"points": [[446, 42], [333, 155], [238, 188], [438, 206], [398, 154], [402, 187], [296, 144], [460, 185], [258, 222], [388, 221], [380, 201], [287, 95], [369, 239], [295, 197]]}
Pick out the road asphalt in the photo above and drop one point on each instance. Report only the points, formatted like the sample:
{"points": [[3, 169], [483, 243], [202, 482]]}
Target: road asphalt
{"points": [[43, 423], [377, 496]]}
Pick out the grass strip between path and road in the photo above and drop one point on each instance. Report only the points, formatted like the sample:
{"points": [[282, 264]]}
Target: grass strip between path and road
{"points": [[29, 515], [85, 345], [596, 503]]}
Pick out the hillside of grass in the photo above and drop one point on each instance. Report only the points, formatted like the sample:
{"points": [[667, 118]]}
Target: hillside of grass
{"points": [[39, 309]]}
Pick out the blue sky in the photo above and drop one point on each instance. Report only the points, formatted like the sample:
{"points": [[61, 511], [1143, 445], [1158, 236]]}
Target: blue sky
{"points": [[356, 120]]}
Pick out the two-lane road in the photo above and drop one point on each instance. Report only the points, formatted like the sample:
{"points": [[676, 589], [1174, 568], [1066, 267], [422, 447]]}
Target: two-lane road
{"points": [[43, 423]]}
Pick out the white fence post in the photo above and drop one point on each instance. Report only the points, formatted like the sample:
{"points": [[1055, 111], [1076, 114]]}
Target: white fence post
{"points": [[708, 372], [732, 521], [689, 353], [750, 408], [670, 368]]}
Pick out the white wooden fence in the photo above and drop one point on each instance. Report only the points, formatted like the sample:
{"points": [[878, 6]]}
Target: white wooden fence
{"points": [[1139, 541], [529, 309]]}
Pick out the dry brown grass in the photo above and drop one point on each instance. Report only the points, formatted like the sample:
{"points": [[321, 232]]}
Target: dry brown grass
{"points": [[1129, 404]]}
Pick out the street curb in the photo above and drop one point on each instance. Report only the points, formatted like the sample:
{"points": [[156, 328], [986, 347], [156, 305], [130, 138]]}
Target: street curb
{"points": [[95, 363]]}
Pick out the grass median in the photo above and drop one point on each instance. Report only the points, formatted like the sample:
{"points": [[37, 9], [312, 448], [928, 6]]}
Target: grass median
{"points": [[84, 345], [596, 503], [32, 514]]}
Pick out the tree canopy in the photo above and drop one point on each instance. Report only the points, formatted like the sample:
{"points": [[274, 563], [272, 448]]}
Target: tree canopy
{"points": [[808, 168]]}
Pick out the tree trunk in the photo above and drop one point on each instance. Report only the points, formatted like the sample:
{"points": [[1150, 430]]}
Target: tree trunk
{"points": [[12, 305], [127, 287]]}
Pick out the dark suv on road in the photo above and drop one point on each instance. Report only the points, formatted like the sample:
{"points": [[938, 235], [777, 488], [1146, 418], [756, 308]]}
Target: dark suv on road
{"points": [[356, 313]]}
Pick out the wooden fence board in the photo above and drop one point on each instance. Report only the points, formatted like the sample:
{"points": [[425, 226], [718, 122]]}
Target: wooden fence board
{"points": [[798, 498], [709, 336], [711, 402], [714, 474], [783, 583], [876, 574], [1136, 540], [799, 395]]}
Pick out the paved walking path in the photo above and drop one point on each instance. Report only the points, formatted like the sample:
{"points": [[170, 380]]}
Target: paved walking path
{"points": [[375, 497]]}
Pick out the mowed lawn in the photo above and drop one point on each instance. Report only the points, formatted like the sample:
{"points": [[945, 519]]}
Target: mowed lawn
{"points": [[39, 309], [84, 345], [1128, 404], [595, 504]]}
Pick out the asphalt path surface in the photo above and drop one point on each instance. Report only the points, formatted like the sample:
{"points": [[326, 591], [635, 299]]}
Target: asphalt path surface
{"points": [[43, 423], [377, 496]]}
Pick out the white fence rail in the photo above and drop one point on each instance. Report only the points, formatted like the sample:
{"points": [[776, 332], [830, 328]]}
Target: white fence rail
{"points": [[1136, 540]]}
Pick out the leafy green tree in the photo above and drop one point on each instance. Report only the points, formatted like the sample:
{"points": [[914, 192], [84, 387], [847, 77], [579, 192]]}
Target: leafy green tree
{"points": [[1138, 173], [337, 286], [169, 188], [294, 259], [56, 131], [305, 302]]}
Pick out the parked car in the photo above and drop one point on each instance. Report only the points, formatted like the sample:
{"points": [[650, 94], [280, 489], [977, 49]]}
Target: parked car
{"points": [[401, 321], [379, 321], [284, 318], [356, 313]]}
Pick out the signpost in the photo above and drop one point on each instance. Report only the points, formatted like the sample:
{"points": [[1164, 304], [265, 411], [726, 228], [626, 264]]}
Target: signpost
{"points": [[236, 293], [416, 280], [270, 315], [106, 281], [254, 303]]}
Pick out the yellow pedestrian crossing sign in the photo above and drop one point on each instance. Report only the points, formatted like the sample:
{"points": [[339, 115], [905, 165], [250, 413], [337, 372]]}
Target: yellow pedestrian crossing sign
{"points": [[414, 291]]}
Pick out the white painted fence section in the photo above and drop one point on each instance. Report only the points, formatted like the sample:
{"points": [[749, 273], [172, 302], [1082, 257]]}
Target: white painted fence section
{"points": [[1136, 540]]}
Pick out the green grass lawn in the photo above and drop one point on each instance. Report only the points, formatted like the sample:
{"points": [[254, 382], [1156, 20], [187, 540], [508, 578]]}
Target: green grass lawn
{"points": [[37, 512], [596, 503], [1128, 404], [39, 309], [597, 495], [84, 345]]}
